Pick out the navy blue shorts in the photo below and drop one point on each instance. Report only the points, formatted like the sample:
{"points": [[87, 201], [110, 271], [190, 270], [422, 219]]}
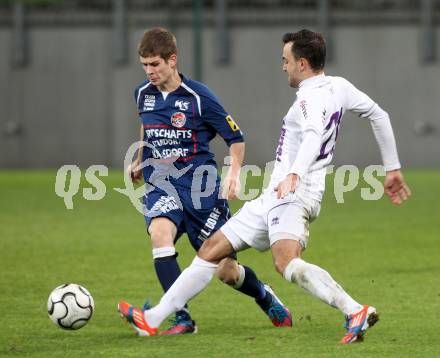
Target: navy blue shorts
{"points": [[198, 223]]}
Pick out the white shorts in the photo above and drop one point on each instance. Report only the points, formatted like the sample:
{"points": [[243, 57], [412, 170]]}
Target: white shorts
{"points": [[259, 220]]}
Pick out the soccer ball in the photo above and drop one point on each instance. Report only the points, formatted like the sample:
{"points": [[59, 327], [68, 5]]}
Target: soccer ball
{"points": [[70, 306]]}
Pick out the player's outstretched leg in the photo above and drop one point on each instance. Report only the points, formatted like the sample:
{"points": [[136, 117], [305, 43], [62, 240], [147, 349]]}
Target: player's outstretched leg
{"points": [[320, 284], [192, 280], [168, 270], [264, 296], [190, 283]]}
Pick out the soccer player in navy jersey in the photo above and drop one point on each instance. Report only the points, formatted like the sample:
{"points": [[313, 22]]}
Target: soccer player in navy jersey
{"points": [[179, 117]]}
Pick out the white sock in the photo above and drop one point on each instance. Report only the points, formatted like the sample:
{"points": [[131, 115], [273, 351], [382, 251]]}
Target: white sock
{"points": [[320, 284], [189, 284], [164, 252]]}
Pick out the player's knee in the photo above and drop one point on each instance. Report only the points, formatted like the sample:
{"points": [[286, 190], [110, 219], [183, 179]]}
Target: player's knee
{"points": [[160, 238], [228, 272], [285, 250], [162, 234], [230, 278]]}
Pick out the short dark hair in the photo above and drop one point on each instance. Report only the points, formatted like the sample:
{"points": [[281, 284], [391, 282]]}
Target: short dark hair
{"points": [[309, 45], [157, 42]]}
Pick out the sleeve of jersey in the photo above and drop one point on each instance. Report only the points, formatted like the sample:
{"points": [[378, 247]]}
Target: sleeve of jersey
{"points": [[215, 115], [312, 115], [380, 122]]}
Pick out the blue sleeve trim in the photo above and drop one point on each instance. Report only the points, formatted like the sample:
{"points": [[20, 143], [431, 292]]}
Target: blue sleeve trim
{"points": [[234, 140]]}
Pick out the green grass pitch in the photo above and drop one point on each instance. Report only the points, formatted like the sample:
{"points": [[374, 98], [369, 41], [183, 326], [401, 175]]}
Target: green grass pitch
{"points": [[382, 255]]}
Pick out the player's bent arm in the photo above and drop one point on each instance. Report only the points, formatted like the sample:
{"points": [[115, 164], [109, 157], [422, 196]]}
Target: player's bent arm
{"points": [[307, 153], [311, 110], [359, 102]]}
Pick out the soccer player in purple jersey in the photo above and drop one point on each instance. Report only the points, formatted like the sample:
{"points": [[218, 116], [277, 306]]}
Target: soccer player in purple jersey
{"points": [[279, 219], [179, 117]]}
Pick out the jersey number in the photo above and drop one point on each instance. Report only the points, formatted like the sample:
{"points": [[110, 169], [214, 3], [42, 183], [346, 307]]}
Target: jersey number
{"points": [[329, 145]]}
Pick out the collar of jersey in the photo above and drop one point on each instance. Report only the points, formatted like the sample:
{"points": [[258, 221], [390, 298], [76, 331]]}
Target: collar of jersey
{"points": [[312, 81], [153, 89]]}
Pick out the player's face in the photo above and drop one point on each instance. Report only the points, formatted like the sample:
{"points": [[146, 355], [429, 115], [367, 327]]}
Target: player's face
{"points": [[158, 70], [291, 66]]}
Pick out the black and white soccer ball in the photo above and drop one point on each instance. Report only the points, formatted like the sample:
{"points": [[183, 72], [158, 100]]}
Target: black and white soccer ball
{"points": [[70, 306]]}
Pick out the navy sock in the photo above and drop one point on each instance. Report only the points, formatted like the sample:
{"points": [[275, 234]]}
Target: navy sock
{"points": [[167, 271], [265, 302], [253, 287]]}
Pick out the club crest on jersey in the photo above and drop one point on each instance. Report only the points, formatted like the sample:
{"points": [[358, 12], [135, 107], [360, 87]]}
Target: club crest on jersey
{"points": [[183, 105], [178, 119]]}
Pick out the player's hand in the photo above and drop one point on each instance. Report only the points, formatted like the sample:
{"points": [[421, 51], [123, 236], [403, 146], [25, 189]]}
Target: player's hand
{"points": [[288, 185], [231, 186], [395, 187], [134, 171]]}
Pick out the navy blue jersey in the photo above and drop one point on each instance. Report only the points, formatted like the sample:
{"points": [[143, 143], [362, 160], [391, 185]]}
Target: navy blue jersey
{"points": [[182, 125]]}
